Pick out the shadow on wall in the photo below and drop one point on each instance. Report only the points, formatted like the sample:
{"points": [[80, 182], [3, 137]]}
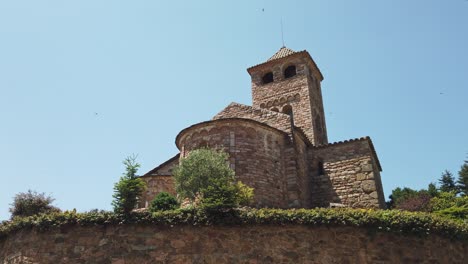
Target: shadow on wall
{"points": [[322, 191]]}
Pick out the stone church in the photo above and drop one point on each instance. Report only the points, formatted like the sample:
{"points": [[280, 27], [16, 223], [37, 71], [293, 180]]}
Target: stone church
{"points": [[279, 145]]}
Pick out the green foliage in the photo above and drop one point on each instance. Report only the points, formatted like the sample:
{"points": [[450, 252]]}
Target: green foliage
{"points": [[32, 203], [219, 197], [449, 205], [163, 201], [395, 221], [245, 194], [205, 173], [447, 182], [129, 188], [399, 195], [462, 181], [432, 189], [202, 168], [443, 201], [458, 213]]}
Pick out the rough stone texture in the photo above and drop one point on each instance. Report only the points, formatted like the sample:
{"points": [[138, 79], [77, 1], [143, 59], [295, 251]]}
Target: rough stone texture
{"points": [[279, 146], [156, 184], [351, 175], [302, 92], [140, 244], [256, 154], [159, 180], [166, 167], [277, 120]]}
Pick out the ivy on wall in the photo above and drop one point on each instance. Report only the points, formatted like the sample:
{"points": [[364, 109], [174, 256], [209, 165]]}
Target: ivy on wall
{"points": [[394, 221]]}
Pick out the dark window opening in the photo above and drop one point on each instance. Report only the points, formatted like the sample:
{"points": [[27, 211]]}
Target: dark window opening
{"points": [[321, 170], [290, 72], [267, 78], [275, 109], [287, 109]]}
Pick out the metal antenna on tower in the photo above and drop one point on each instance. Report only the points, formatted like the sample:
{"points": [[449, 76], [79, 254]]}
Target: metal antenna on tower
{"points": [[282, 37]]}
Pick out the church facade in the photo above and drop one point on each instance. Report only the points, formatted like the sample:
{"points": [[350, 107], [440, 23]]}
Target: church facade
{"points": [[279, 145]]}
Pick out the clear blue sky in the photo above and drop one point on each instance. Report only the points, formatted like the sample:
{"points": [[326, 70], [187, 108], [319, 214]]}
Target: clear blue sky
{"points": [[83, 84]]}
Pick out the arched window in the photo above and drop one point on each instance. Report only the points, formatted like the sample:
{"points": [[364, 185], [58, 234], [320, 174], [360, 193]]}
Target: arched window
{"points": [[287, 109], [290, 71], [267, 78]]}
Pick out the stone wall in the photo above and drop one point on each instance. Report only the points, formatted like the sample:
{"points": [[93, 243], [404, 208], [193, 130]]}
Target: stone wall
{"points": [[277, 120], [156, 184], [301, 92], [351, 175], [256, 154], [140, 244]]}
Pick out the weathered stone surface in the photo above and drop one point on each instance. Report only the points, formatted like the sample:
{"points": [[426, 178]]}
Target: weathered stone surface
{"points": [[227, 244], [279, 145], [368, 186]]}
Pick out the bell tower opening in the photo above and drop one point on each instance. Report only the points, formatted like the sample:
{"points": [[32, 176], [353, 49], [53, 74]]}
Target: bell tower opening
{"points": [[290, 72], [290, 81]]}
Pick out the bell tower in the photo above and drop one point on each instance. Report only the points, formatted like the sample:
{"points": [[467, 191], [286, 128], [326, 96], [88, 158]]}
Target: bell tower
{"points": [[290, 82]]}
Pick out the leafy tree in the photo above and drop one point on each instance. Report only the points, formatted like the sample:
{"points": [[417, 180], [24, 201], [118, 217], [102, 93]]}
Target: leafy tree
{"points": [[462, 182], [419, 202], [447, 182], [200, 169], [129, 188], [410, 199], [443, 201], [163, 201], [219, 196], [449, 205], [398, 195], [32, 203], [432, 189], [205, 173]]}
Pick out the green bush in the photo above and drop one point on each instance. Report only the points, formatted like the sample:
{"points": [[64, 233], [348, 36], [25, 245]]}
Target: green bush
{"points": [[447, 204], [32, 203], [393, 221], [446, 200], [245, 194], [162, 202], [205, 173], [200, 169], [458, 213], [219, 197], [128, 190]]}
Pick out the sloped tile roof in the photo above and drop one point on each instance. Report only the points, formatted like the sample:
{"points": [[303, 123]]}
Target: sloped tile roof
{"points": [[283, 52]]}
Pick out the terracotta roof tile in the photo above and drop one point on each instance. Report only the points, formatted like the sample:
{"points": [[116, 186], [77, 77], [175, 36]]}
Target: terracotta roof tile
{"points": [[283, 52]]}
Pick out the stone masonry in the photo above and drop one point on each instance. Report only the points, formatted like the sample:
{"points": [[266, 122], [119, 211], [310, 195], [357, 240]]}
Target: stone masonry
{"points": [[279, 145], [140, 244]]}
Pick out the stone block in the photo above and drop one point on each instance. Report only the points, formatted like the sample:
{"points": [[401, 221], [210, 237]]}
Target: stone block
{"points": [[361, 176], [366, 168], [368, 186]]}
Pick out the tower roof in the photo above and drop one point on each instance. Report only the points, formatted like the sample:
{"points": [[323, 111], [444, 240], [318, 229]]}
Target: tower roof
{"points": [[283, 52]]}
